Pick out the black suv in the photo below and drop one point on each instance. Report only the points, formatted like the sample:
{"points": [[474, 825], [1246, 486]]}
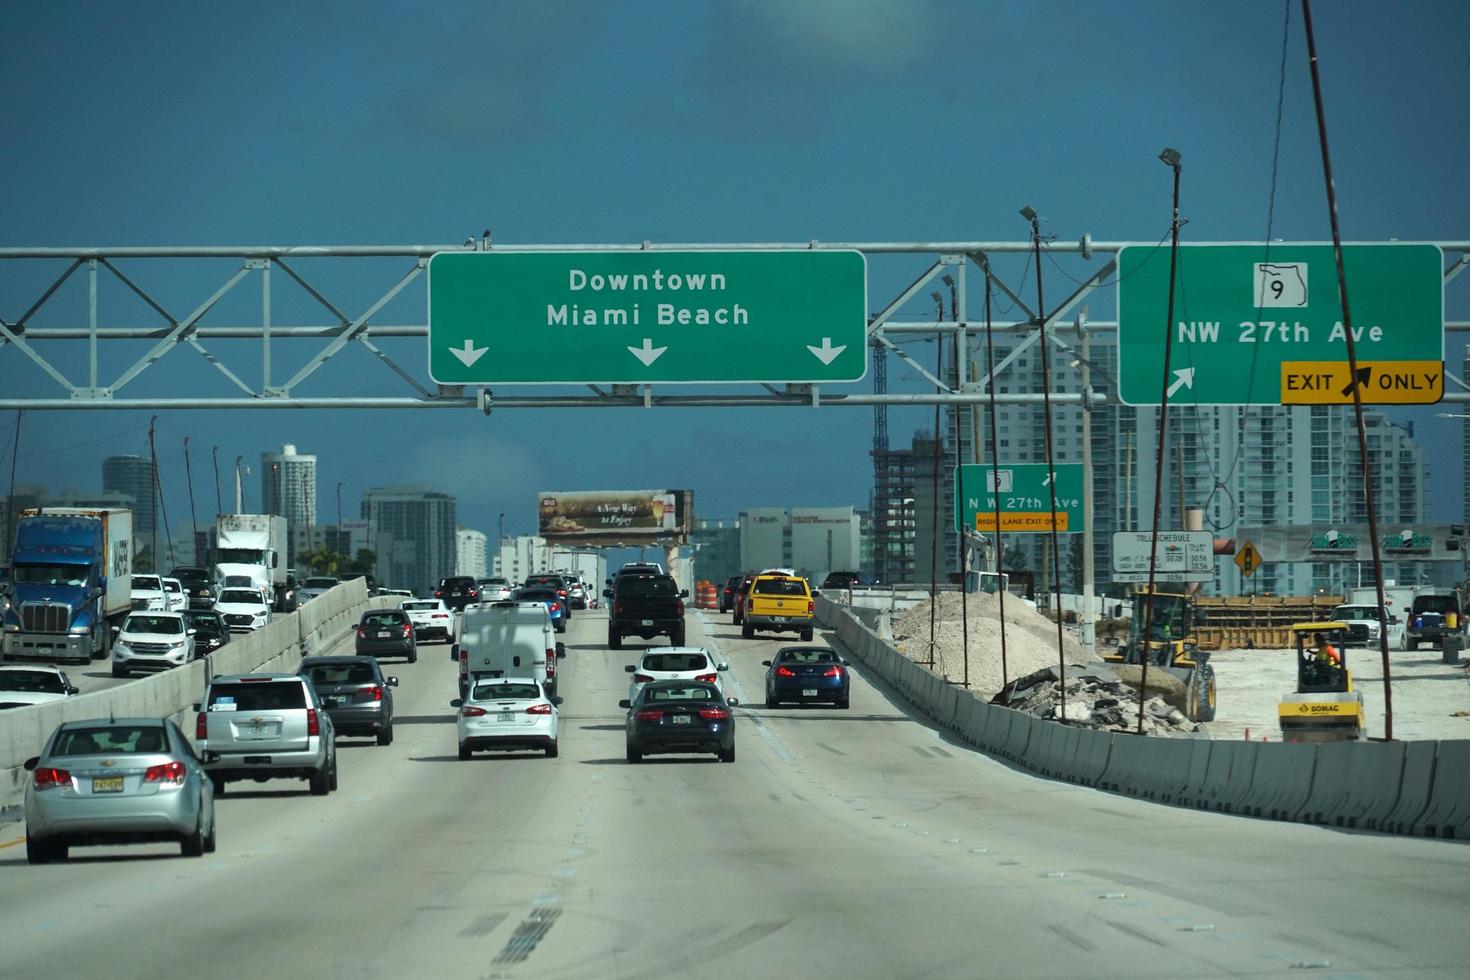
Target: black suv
{"points": [[646, 606], [458, 591], [198, 585]]}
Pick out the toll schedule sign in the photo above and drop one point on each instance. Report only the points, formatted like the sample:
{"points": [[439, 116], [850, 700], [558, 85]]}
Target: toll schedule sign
{"points": [[1253, 327], [1022, 491], [583, 317]]}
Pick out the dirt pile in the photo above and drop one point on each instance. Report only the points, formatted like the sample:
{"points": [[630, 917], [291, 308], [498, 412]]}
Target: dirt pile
{"points": [[1031, 639], [1095, 699]]}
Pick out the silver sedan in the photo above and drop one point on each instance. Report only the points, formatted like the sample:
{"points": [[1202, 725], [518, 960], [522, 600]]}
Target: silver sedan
{"points": [[117, 781]]}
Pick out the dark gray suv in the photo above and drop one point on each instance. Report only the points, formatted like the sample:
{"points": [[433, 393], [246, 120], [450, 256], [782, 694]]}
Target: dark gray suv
{"points": [[355, 693]]}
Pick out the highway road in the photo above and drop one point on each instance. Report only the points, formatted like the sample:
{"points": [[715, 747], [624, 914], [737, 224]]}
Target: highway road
{"points": [[856, 843]]}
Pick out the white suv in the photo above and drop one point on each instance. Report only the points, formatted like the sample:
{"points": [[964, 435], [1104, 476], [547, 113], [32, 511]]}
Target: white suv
{"points": [[266, 726], [150, 640]]}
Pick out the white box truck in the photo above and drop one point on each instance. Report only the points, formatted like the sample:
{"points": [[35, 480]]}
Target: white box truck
{"points": [[250, 552]]}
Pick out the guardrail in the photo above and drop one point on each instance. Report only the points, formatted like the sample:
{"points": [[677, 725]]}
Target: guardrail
{"points": [[1416, 788], [312, 629]]}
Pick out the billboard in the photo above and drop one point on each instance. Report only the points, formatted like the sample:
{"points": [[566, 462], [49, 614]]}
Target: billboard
{"points": [[1350, 542], [615, 518]]}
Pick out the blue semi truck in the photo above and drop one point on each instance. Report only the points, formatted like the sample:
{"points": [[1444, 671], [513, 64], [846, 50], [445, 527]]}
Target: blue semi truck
{"points": [[70, 583]]}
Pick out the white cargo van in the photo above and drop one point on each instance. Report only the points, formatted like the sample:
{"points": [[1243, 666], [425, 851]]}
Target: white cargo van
{"points": [[508, 639]]}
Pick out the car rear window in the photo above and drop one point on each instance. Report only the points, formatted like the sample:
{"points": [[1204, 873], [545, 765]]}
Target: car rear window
{"points": [[505, 692], [111, 740], [457, 583], [320, 583], [675, 661], [535, 595], [1436, 604], [646, 588], [418, 606], [780, 586], [154, 624], [809, 657], [257, 696], [342, 674], [697, 692], [383, 619]]}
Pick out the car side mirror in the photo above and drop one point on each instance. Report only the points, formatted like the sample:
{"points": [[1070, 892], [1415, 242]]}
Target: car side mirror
{"points": [[625, 703], [607, 593], [683, 593], [561, 650], [765, 663], [815, 593], [557, 700], [211, 756], [392, 681], [457, 703], [723, 667], [191, 632], [733, 702], [629, 669], [30, 764], [73, 689], [845, 663], [196, 705], [116, 630]]}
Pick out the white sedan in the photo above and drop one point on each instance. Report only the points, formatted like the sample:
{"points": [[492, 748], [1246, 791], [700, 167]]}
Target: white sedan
{"points": [[431, 619], [506, 713], [675, 664], [243, 610], [22, 686]]}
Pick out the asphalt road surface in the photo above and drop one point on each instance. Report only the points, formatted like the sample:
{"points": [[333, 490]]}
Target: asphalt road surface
{"points": [[841, 843]]}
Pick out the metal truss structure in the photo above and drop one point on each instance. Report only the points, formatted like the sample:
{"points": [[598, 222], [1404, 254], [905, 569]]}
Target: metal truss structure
{"points": [[20, 340]]}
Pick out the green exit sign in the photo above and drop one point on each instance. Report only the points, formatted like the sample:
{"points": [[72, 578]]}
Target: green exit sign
{"points": [[1022, 492], [585, 317]]}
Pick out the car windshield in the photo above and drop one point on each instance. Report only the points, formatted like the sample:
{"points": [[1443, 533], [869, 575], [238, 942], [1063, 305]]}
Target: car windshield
{"points": [[147, 583], [205, 622], [808, 657], [32, 681], [246, 596], [257, 696], [551, 580], [190, 575], [153, 624], [241, 580], [647, 588], [490, 691], [52, 574], [697, 692], [1355, 613], [355, 673], [675, 661], [780, 586], [320, 583], [382, 620], [111, 740]]}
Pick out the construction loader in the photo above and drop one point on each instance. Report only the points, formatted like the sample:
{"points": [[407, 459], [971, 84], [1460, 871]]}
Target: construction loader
{"points": [[1172, 649], [1325, 708]]}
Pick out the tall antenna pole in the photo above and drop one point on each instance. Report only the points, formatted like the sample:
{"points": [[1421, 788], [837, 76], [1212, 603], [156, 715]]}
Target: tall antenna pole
{"points": [[153, 510], [994, 490], [934, 496], [10, 498], [193, 517], [219, 503]]}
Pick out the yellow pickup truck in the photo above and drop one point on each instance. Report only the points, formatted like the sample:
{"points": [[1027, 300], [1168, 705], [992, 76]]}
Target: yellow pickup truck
{"points": [[778, 604]]}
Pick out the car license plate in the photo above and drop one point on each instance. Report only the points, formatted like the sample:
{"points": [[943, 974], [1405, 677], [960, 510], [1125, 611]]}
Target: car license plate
{"points": [[383, 634], [107, 784], [647, 622], [506, 716], [456, 594], [808, 692]]}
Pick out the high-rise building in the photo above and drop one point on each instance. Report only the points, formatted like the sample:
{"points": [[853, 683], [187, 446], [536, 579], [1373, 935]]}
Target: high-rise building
{"points": [[716, 549], [288, 486], [132, 476], [469, 553], [415, 535]]}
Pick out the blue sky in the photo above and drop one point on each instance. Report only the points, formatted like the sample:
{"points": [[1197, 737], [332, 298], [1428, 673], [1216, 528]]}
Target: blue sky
{"points": [[760, 120]]}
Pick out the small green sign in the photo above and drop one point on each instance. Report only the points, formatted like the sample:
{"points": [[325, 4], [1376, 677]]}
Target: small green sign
{"points": [[1243, 311], [1023, 492], [782, 316]]}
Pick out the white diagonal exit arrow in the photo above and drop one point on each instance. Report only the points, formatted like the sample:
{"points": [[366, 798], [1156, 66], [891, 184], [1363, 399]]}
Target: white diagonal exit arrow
{"points": [[647, 353], [469, 354], [1183, 379], [827, 353]]}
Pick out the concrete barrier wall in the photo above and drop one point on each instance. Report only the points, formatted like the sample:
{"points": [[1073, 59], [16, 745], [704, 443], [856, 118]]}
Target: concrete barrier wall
{"points": [[313, 628], [1419, 788]]}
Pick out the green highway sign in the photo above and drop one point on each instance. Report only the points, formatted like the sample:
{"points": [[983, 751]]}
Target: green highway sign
{"points": [[1024, 495], [1247, 318], [586, 317]]}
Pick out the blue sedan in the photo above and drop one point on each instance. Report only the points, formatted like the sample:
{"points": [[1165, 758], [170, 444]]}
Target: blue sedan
{"points": [[806, 674], [556, 606]]}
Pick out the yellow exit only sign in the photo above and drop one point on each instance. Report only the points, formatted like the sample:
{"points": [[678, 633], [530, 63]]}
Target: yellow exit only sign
{"points": [[1380, 382]]}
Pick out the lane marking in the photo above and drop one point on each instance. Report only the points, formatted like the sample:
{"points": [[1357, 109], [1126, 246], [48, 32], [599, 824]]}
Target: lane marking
{"points": [[12, 843], [733, 681]]}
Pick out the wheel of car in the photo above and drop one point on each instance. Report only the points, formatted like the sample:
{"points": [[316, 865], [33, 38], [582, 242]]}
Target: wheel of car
{"points": [[806, 636], [119, 671], [464, 753], [321, 782], [385, 734], [747, 631], [192, 846], [772, 702], [727, 756], [332, 780], [454, 651], [211, 842], [1411, 644], [552, 751], [677, 637], [614, 639], [735, 617], [634, 757], [561, 625], [219, 785], [38, 851], [413, 656], [843, 705]]}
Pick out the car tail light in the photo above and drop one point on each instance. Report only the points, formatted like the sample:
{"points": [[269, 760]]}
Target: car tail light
{"points": [[51, 778], [554, 606], [833, 671], [679, 607], [539, 709], [472, 712], [441, 615], [649, 714], [562, 593], [438, 594], [313, 724], [361, 632], [785, 672], [374, 693], [170, 773], [714, 714], [407, 629], [642, 678], [811, 606], [707, 678], [617, 608], [201, 726]]}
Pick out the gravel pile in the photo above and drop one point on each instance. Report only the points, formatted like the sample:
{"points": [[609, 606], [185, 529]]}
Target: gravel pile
{"points": [[1031, 639], [1094, 700]]}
